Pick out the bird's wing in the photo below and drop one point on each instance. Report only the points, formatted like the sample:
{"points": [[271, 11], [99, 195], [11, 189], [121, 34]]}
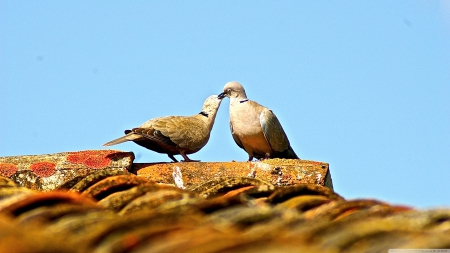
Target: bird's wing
{"points": [[154, 135], [273, 131], [186, 132], [235, 137]]}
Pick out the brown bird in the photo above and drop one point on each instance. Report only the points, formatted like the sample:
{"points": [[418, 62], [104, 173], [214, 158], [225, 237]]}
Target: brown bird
{"points": [[254, 127], [175, 135]]}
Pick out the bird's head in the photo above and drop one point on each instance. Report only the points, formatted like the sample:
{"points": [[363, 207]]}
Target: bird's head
{"points": [[233, 90], [211, 105]]}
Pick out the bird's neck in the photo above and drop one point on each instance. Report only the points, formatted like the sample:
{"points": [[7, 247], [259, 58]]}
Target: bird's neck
{"points": [[204, 114], [238, 100], [207, 117]]}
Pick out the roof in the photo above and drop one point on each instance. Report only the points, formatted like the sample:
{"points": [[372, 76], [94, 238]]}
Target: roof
{"points": [[100, 201]]}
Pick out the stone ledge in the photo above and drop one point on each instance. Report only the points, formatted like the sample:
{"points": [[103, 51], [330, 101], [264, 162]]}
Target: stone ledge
{"points": [[278, 172], [47, 172]]}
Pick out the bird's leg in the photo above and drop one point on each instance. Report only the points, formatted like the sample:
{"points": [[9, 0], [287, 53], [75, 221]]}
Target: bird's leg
{"points": [[266, 156], [250, 158], [172, 157], [186, 159]]}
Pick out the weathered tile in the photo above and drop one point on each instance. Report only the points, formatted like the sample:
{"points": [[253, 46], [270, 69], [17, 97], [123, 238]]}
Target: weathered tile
{"points": [[278, 172], [50, 171]]}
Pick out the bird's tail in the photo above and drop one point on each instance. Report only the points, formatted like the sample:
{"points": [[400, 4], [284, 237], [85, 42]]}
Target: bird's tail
{"points": [[128, 137], [291, 154], [116, 141]]}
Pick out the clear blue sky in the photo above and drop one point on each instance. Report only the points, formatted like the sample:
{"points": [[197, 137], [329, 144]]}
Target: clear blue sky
{"points": [[362, 85]]}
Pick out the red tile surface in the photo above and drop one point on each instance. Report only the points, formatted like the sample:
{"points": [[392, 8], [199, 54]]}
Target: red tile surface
{"points": [[271, 206]]}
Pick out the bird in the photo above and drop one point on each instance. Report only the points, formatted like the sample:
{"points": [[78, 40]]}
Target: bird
{"points": [[175, 135], [255, 128]]}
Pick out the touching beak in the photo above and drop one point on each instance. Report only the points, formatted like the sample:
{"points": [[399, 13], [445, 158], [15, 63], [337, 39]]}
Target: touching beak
{"points": [[222, 95]]}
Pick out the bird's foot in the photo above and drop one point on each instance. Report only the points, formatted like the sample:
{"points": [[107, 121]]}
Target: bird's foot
{"points": [[186, 158], [186, 161]]}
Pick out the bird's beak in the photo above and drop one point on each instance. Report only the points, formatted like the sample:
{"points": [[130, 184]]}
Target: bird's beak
{"points": [[222, 95]]}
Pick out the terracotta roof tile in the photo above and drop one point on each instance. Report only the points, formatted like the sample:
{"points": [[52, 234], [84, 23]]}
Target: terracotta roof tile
{"points": [[49, 172], [199, 207]]}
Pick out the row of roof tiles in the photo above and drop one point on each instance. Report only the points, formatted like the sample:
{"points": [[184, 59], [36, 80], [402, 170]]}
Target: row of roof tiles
{"points": [[109, 209]]}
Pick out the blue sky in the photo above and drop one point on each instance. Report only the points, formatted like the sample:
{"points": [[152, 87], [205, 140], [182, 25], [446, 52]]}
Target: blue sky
{"points": [[362, 85]]}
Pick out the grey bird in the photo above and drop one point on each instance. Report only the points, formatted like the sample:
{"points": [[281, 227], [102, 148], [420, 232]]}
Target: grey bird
{"points": [[175, 135], [254, 127]]}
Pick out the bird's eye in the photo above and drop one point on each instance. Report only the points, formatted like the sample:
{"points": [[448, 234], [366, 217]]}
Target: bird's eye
{"points": [[228, 90]]}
